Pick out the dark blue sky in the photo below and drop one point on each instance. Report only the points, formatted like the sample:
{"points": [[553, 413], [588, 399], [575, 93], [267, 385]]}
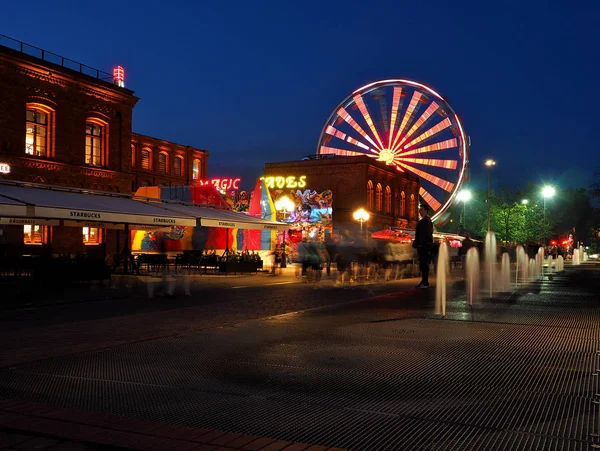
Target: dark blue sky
{"points": [[255, 81]]}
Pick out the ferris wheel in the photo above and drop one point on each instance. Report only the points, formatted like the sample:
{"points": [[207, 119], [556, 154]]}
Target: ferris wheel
{"points": [[407, 125]]}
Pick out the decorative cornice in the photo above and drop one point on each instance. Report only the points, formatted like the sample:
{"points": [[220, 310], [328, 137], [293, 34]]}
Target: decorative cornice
{"points": [[47, 76]]}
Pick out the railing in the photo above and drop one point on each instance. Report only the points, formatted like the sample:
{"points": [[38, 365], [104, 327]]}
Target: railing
{"points": [[45, 55]]}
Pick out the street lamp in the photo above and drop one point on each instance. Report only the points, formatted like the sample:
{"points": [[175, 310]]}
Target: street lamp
{"points": [[525, 201], [284, 205], [361, 215], [464, 196], [489, 163], [547, 192]]}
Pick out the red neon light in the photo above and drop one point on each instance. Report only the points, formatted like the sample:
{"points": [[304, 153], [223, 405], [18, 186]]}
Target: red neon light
{"points": [[119, 76], [222, 184]]}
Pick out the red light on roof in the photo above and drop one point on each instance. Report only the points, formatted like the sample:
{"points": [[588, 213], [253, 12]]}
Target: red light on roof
{"points": [[119, 76]]}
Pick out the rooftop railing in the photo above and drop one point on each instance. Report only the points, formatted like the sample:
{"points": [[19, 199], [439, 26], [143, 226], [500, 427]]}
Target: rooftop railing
{"points": [[54, 58]]}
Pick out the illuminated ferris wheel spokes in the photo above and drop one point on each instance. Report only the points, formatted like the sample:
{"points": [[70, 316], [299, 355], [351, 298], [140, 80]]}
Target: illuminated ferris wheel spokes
{"points": [[416, 132]]}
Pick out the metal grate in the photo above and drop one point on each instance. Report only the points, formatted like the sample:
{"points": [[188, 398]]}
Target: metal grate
{"points": [[515, 373]]}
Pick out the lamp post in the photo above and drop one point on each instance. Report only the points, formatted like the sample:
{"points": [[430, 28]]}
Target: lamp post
{"points": [[284, 205], [489, 164], [525, 201], [361, 215], [464, 196], [547, 192]]}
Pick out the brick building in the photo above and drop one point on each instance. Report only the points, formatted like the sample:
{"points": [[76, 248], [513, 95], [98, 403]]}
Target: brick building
{"points": [[63, 123], [391, 197]]}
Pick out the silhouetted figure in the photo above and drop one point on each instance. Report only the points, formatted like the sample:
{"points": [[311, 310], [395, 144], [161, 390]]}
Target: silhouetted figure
{"points": [[423, 243]]}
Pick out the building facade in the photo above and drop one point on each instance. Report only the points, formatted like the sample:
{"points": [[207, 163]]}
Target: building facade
{"points": [[391, 197], [72, 127]]}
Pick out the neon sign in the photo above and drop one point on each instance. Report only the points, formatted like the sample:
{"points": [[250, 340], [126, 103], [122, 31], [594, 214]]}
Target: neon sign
{"points": [[4, 168], [291, 181], [223, 184], [119, 76]]}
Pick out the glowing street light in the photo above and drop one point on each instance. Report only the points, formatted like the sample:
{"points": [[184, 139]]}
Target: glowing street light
{"points": [[361, 215], [284, 205], [464, 196], [547, 192], [525, 201], [489, 163]]}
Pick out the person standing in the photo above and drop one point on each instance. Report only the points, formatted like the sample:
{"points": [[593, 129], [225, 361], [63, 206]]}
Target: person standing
{"points": [[423, 243]]}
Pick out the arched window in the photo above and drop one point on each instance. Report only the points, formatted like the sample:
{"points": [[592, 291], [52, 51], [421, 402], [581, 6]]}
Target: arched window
{"points": [[163, 165], [177, 166], [196, 169], [388, 200], [133, 156], [413, 207], [96, 141], [39, 127], [378, 197], [402, 204], [370, 194], [146, 159]]}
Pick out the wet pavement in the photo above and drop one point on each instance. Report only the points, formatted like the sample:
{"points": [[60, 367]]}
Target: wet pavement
{"points": [[359, 368]]}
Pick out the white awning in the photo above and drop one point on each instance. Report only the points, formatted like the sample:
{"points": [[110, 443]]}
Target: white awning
{"points": [[215, 217], [57, 203], [10, 208]]}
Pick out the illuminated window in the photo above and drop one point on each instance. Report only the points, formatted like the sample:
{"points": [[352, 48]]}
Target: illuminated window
{"points": [[92, 235], [162, 163], [370, 194], [378, 197], [413, 207], [196, 170], [146, 159], [177, 165], [36, 136], [35, 234], [94, 143], [388, 200], [402, 204], [133, 156]]}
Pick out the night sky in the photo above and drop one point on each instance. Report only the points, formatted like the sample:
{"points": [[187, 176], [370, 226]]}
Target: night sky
{"points": [[255, 81]]}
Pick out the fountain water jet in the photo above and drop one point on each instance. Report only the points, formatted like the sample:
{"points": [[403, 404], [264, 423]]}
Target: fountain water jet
{"points": [[472, 274], [533, 271], [540, 262], [575, 260], [490, 260], [505, 273], [521, 264], [560, 263], [440, 287]]}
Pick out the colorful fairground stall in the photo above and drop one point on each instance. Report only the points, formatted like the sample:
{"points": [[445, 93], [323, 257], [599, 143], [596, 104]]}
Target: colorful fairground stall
{"points": [[226, 221], [307, 213]]}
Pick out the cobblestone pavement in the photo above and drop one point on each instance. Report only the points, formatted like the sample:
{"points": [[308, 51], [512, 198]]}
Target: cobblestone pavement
{"points": [[516, 372]]}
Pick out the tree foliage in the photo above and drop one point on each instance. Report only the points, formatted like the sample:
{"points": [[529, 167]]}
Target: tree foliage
{"points": [[512, 220]]}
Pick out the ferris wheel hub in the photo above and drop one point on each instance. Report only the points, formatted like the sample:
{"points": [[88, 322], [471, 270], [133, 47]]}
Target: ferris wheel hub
{"points": [[387, 155]]}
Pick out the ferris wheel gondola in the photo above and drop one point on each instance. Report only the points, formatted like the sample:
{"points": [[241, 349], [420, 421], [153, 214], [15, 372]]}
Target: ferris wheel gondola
{"points": [[406, 125]]}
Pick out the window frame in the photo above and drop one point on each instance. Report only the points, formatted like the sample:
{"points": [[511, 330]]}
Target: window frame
{"points": [[402, 204], [378, 197], [178, 158], [44, 234], [150, 161], [370, 195], [103, 142], [413, 207], [99, 236], [48, 128], [387, 205], [166, 168], [196, 172]]}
